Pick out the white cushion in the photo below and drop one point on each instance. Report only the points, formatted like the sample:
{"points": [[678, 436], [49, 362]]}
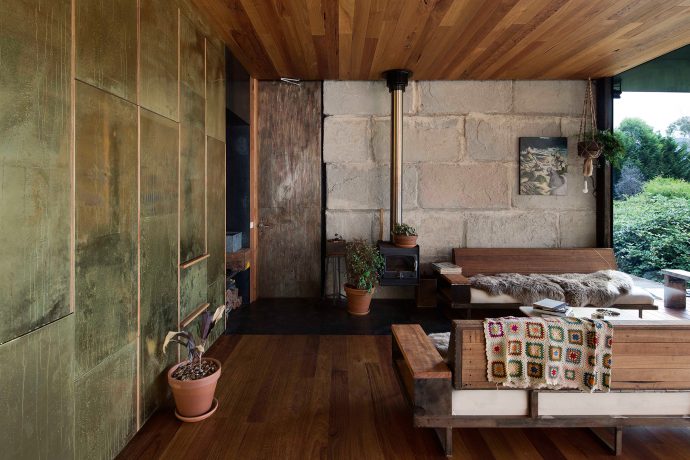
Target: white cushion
{"points": [[637, 296]]}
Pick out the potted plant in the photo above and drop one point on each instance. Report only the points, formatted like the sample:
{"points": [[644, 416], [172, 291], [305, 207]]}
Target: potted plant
{"points": [[612, 147], [364, 265], [404, 236], [193, 381]]}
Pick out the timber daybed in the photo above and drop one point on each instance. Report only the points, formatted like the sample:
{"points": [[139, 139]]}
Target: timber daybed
{"points": [[650, 383], [455, 290]]}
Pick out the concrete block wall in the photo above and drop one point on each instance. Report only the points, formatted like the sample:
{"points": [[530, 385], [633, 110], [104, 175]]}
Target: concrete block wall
{"points": [[460, 163]]}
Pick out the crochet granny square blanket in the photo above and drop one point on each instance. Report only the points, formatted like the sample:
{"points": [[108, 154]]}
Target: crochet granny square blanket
{"points": [[551, 353]]}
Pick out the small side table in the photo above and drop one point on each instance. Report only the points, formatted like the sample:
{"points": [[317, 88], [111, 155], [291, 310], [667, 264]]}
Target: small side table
{"points": [[675, 287], [335, 252]]}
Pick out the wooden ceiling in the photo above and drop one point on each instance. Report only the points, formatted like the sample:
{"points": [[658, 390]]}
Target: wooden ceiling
{"points": [[446, 39]]}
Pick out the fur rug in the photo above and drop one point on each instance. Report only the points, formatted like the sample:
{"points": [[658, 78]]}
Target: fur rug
{"points": [[599, 289]]}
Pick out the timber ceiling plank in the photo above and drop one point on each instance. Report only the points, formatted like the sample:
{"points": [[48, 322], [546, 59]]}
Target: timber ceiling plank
{"points": [[447, 39]]}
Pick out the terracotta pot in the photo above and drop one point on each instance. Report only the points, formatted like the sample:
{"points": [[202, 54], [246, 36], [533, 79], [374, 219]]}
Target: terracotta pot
{"points": [[404, 241], [194, 398], [358, 300]]}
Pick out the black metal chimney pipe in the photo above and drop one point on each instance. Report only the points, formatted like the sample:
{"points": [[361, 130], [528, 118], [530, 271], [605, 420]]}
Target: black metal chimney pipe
{"points": [[397, 80]]}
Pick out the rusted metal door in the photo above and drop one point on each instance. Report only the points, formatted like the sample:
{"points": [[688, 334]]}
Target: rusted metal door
{"points": [[289, 185]]}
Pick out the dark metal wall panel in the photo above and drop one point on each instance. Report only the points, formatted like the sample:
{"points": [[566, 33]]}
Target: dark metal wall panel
{"points": [[37, 393], [106, 45], [193, 288], [158, 57], [106, 225], [158, 254], [34, 164], [106, 406], [215, 92], [215, 151], [192, 140]]}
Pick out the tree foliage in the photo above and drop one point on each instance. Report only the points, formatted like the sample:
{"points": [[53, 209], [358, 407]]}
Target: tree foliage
{"points": [[651, 231], [681, 127], [631, 182], [653, 154]]}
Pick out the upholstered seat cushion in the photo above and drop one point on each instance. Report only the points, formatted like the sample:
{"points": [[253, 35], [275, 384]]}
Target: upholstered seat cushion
{"points": [[637, 296]]}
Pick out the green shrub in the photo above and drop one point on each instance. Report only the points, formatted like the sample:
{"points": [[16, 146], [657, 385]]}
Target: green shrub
{"points": [[651, 231], [364, 264], [670, 188]]}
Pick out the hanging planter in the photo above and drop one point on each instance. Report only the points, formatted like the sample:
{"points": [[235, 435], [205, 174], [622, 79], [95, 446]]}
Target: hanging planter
{"points": [[588, 145]]}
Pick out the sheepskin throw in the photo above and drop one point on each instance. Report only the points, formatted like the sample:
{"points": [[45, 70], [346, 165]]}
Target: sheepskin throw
{"points": [[599, 289], [549, 353]]}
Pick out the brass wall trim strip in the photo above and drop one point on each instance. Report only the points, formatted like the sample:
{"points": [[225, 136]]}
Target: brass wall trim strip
{"points": [[199, 310], [196, 260]]}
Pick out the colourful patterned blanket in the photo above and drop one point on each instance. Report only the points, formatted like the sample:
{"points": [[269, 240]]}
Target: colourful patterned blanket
{"points": [[549, 352]]}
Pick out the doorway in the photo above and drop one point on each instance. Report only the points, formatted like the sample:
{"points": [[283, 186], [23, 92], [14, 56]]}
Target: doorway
{"points": [[289, 189]]}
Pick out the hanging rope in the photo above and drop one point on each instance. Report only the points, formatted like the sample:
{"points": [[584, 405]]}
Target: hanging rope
{"points": [[587, 146]]}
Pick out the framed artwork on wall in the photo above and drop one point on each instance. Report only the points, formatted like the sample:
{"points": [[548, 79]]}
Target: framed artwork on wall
{"points": [[543, 165]]}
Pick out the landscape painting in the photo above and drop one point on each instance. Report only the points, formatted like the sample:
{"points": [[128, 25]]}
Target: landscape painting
{"points": [[543, 165]]}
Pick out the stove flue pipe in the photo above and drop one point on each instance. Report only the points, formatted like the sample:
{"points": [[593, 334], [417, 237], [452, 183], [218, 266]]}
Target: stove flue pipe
{"points": [[397, 80]]}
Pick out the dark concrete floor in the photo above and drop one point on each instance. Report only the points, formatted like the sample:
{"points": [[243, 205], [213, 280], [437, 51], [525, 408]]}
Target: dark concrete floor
{"points": [[324, 317]]}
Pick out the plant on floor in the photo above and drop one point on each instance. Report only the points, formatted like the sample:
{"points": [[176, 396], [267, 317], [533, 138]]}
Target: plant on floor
{"points": [[194, 368], [364, 265], [404, 230], [193, 381]]}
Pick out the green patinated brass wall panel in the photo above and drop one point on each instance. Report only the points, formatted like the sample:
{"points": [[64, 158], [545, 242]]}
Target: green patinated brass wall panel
{"points": [[192, 140], [106, 225], [37, 393], [34, 164], [158, 67], [158, 246], [193, 288], [215, 92], [215, 152], [106, 45], [106, 406]]}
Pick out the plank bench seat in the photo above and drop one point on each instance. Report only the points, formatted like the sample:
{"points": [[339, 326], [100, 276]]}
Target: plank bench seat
{"points": [[455, 290]]}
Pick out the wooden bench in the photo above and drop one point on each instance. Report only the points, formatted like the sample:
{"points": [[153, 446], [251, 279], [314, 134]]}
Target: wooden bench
{"points": [[650, 384], [675, 287], [456, 292]]}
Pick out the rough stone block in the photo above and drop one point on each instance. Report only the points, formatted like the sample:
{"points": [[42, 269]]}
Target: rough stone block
{"points": [[512, 230], [362, 98], [578, 229], [346, 140], [557, 97], [459, 97], [463, 186], [496, 138], [439, 232], [351, 224], [424, 139], [366, 186]]}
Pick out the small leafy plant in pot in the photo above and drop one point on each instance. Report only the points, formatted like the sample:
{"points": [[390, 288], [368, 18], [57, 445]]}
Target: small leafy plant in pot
{"points": [[404, 236], [364, 264], [193, 382]]}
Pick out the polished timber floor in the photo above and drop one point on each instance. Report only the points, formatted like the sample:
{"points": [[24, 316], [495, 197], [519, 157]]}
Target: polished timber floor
{"points": [[336, 397], [325, 317]]}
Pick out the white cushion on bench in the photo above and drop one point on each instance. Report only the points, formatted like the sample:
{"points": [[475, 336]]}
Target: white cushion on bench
{"points": [[637, 296]]}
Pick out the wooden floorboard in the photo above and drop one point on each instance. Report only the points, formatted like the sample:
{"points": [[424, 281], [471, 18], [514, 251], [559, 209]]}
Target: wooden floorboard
{"points": [[304, 397]]}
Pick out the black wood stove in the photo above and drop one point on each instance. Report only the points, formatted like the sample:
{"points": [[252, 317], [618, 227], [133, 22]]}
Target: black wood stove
{"points": [[401, 265]]}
